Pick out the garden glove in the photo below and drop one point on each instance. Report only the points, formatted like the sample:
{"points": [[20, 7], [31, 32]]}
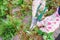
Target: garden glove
{"points": [[50, 23]]}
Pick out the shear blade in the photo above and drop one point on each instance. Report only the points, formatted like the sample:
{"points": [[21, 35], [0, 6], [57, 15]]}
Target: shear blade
{"points": [[34, 21]]}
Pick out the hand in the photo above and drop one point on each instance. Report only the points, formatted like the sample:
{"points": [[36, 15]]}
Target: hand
{"points": [[51, 23]]}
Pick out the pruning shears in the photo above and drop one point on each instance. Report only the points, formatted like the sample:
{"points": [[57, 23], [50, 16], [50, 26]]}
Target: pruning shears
{"points": [[37, 17]]}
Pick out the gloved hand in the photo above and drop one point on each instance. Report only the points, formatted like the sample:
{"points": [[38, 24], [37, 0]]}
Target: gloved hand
{"points": [[50, 23]]}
